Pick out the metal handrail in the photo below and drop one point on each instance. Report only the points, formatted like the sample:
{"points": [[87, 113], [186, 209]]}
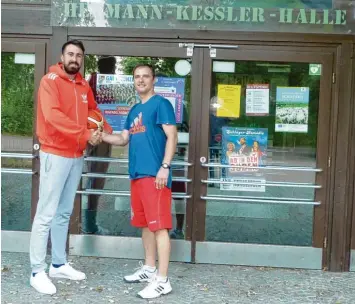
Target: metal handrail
{"points": [[17, 171], [17, 155], [269, 184], [105, 175], [126, 176], [104, 192], [122, 193], [106, 159], [259, 201], [306, 169], [125, 160], [265, 197]]}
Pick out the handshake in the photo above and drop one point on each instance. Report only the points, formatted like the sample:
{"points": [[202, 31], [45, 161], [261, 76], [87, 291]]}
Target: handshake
{"points": [[96, 137]]}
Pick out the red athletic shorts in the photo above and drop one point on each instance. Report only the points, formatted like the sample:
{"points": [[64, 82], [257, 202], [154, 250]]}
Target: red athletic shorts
{"points": [[150, 207]]}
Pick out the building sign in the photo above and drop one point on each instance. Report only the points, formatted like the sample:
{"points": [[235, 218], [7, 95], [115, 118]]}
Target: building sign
{"points": [[225, 15]]}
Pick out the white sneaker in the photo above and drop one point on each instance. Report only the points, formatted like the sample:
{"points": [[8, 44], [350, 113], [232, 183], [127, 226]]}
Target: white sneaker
{"points": [[141, 275], [66, 272], [42, 283], [155, 289]]}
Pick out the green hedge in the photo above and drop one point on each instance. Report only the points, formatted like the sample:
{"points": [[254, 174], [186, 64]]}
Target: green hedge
{"points": [[17, 87]]}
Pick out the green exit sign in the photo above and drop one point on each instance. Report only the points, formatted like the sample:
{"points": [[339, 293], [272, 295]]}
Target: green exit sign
{"points": [[315, 69]]}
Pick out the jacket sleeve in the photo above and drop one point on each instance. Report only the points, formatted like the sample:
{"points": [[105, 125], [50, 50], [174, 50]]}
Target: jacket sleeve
{"points": [[93, 106], [49, 100]]}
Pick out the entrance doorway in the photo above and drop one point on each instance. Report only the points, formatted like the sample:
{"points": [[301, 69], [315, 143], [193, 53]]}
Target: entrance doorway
{"points": [[263, 168], [23, 65], [251, 165], [105, 204]]}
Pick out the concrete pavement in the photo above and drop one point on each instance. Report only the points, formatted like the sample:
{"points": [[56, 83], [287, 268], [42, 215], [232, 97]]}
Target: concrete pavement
{"points": [[217, 284]]}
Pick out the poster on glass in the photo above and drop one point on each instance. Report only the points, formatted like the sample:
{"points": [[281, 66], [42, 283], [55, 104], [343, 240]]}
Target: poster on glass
{"points": [[115, 95], [228, 100], [246, 149], [173, 89], [292, 109], [257, 100]]}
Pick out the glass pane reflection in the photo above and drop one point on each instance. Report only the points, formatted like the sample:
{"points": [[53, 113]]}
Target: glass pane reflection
{"points": [[17, 91], [269, 130], [110, 78]]}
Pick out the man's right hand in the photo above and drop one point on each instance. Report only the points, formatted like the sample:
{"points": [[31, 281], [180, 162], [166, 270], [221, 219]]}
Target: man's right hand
{"points": [[116, 139], [96, 137]]}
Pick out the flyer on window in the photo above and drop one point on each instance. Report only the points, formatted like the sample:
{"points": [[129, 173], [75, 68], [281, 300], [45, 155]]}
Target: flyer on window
{"points": [[292, 109], [115, 96], [173, 89], [228, 98], [246, 149], [257, 100]]}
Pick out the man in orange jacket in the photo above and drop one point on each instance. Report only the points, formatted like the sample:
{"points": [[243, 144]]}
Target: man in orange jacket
{"points": [[64, 98]]}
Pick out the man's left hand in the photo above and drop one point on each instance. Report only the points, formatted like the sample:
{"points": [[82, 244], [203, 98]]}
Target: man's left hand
{"points": [[161, 179]]}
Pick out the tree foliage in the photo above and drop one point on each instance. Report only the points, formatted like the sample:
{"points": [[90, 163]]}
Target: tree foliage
{"points": [[17, 90], [90, 64], [162, 66]]}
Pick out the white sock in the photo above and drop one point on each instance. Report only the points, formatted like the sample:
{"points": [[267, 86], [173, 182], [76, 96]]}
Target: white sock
{"points": [[150, 268], [162, 279]]}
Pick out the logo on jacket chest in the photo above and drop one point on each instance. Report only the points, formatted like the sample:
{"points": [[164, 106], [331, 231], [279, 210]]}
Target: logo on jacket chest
{"points": [[84, 98]]}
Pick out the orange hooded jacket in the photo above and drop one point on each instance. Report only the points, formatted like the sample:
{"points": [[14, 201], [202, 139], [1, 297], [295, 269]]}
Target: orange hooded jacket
{"points": [[62, 112]]}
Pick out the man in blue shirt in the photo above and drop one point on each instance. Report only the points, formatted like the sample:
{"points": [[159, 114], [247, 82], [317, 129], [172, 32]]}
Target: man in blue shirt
{"points": [[151, 132]]}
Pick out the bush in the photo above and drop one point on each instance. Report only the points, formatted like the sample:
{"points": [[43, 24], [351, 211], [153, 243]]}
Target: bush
{"points": [[17, 88]]}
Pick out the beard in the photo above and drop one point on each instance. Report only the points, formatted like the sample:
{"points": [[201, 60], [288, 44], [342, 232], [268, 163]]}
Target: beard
{"points": [[71, 68]]}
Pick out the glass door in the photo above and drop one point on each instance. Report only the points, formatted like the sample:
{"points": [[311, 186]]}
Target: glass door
{"points": [[105, 189], [22, 67], [263, 161]]}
